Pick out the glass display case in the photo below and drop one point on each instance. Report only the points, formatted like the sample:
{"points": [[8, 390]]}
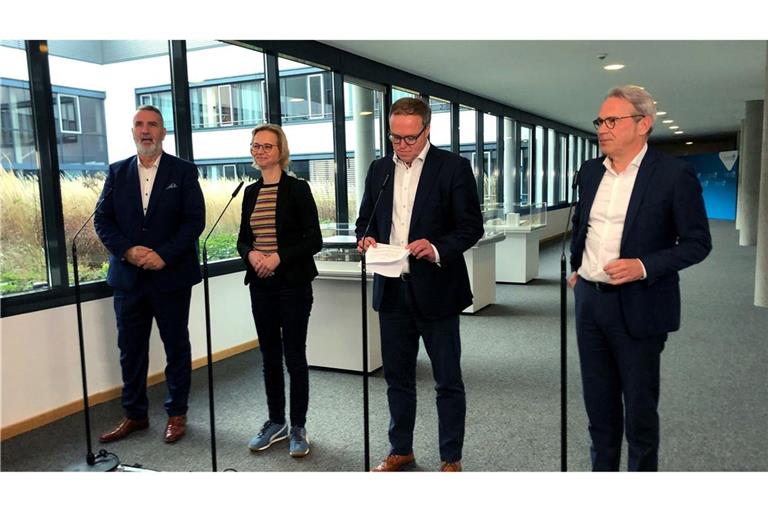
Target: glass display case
{"points": [[339, 243], [523, 217]]}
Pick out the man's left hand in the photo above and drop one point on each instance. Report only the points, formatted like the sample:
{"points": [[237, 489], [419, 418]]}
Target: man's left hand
{"points": [[422, 249], [152, 261], [624, 271]]}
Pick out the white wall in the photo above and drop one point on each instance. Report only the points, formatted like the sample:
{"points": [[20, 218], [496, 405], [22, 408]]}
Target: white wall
{"points": [[40, 352]]}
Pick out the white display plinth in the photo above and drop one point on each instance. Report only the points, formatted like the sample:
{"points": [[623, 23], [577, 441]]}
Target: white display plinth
{"points": [[517, 256], [481, 265], [335, 337]]}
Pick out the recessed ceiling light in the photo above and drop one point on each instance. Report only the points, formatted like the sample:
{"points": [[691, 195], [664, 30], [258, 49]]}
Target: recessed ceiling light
{"points": [[678, 132], [674, 127], [667, 121], [688, 143], [613, 67], [662, 113]]}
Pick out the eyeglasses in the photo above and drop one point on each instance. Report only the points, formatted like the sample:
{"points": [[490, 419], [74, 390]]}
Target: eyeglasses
{"points": [[409, 139], [610, 122], [265, 147]]}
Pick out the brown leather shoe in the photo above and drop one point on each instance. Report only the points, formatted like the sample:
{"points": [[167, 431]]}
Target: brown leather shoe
{"points": [[125, 427], [450, 466], [176, 428], [395, 462]]}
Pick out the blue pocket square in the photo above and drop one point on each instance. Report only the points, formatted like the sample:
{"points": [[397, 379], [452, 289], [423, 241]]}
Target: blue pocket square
{"points": [[172, 185]]}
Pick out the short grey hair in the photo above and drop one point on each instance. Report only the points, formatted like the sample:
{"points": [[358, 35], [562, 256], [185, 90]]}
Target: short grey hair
{"points": [[154, 109], [639, 98]]}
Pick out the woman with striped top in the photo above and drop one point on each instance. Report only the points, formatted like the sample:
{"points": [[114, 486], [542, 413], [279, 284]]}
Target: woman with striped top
{"points": [[279, 234]]}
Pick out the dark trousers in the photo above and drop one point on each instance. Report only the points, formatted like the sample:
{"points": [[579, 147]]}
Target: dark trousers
{"points": [[281, 314], [401, 325], [620, 377], [134, 311]]}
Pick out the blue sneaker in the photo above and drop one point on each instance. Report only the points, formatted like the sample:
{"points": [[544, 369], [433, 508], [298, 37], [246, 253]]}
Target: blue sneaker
{"points": [[269, 434], [299, 444]]}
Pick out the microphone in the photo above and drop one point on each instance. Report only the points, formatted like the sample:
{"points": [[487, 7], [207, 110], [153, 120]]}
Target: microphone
{"points": [[376, 204], [104, 196], [239, 186], [207, 301]]}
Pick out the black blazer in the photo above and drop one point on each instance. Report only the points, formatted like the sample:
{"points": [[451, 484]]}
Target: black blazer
{"points": [[298, 230], [665, 227], [174, 220], [446, 212]]}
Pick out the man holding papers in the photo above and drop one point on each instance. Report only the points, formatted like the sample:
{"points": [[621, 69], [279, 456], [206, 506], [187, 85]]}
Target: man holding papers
{"points": [[429, 207]]}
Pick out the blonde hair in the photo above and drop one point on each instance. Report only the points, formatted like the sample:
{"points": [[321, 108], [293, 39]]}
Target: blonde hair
{"points": [[282, 142]]}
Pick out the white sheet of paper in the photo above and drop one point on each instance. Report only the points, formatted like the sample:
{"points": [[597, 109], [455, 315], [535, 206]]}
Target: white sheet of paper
{"points": [[386, 260]]}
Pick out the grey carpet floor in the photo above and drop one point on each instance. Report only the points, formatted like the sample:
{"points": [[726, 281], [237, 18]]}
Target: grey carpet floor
{"points": [[714, 412]]}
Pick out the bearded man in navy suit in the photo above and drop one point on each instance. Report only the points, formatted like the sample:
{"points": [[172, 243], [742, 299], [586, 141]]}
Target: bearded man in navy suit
{"points": [[151, 215], [639, 220], [428, 205]]}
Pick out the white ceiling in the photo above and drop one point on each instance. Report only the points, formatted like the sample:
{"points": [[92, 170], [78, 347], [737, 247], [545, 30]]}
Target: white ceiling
{"points": [[701, 84]]}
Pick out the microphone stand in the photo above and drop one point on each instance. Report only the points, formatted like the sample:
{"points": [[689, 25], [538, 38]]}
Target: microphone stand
{"points": [[104, 461], [208, 328], [364, 303], [564, 337]]}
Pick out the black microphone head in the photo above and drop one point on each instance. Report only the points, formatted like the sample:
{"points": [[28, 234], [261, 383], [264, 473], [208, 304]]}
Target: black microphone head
{"points": [[238, 189]]}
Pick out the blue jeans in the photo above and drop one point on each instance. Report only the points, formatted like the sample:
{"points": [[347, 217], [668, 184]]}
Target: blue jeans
{"points": [[281, 314]]}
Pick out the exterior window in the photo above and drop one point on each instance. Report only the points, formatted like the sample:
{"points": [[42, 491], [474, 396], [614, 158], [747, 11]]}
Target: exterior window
{"points": [[315, 95], [69, 113], [225, 105]]}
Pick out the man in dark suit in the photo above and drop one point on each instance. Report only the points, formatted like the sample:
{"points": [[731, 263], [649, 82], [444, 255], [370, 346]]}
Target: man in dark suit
{"points": [[150, 218], [428, 205], [640, 219]]}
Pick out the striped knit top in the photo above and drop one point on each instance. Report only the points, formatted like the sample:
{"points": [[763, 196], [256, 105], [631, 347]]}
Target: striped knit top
{"points": [[263, 220]]}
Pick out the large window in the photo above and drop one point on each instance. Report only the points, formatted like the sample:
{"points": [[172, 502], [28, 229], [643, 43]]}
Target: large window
{"points": [[224, 111], [311, 142], [539, 177], [22, 248], [103, 76], [492, 186], [363, 136], [305, 93], [524, 164], [440, 129]]}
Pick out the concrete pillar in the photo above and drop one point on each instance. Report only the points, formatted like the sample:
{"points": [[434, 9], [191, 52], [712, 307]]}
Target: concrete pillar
{"points": [[761, 259], [510, 164], [365, 138], [739, 183], [753, 142]]}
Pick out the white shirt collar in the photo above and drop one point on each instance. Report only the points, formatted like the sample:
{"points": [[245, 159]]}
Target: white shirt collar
{"points": [[155, 164]]}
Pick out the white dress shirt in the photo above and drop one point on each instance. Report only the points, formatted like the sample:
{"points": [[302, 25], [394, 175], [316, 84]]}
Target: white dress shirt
{"points": [[406, 183], [606, 219], [147, 180]]}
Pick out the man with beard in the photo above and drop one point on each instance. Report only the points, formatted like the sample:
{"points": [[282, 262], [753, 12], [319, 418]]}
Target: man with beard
{"points": [[150, 218]]}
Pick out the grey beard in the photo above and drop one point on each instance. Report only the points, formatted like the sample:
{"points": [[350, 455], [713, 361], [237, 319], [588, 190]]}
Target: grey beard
{"points": [[150, 151]]}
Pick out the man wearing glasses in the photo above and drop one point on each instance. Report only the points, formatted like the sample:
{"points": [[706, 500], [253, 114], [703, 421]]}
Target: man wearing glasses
{"points": [[640, 219], [428, 205]]}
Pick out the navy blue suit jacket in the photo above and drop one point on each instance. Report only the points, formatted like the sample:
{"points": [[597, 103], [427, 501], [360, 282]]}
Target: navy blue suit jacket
{"points": [[175, 219], [665, 227], [446, 212]]}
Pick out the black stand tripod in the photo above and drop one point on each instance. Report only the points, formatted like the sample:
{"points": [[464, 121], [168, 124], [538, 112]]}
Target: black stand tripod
{"points": [[208, 330], [103, 461], [364, 303], [564, 338]]}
